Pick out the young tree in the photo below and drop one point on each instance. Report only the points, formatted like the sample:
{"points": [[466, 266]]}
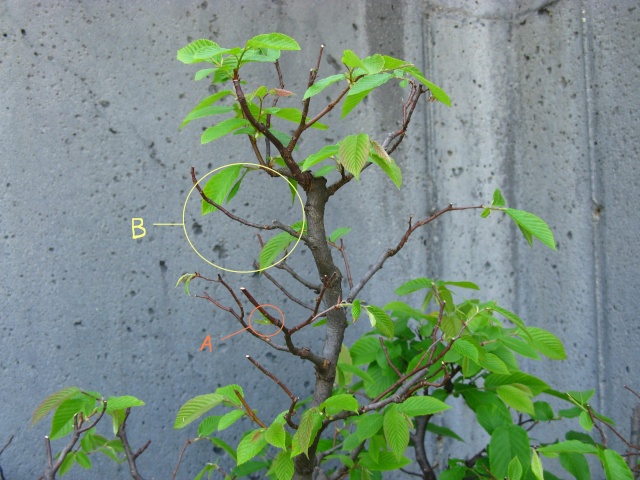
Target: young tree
{"points": [[374, 399]]}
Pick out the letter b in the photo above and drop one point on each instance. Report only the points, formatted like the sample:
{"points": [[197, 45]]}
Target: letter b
{"points": [[137, 226]]}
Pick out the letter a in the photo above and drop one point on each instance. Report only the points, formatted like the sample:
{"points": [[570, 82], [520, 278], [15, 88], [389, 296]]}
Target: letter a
{"points": [[206, 343], [138, 226]]}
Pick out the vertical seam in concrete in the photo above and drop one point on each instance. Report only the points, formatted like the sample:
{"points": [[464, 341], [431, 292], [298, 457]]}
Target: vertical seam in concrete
{"points": [[595, 190]]}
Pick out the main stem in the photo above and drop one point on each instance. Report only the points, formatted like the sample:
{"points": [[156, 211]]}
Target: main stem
{"points": [[317, 198]]}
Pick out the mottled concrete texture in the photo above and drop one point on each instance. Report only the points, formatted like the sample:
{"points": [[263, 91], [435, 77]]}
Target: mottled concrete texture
{"points": [[545, 102]]}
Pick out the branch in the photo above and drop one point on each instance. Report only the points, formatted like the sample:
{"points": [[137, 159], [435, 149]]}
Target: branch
{"points": [[131, 457], [275, 102], [186, 444], [392, 251], [282, 289], [418, 445], [293, 398], [386, 354], [252, 415], [311, 286], [2, 477]]}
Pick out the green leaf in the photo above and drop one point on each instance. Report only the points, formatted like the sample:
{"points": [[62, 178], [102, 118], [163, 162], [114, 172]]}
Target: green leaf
{"points": [[276, 434], [338, 403], [352, 101], [83, 460], [365, 350], [534, 384], [120, 403], [491, 416], [230, 418], [283, 466], [250, 445], [443, 431], [374, 63], [436, 91], [185, 54], [355, 310], [352, 60], [211, 53], [67, 463], [309, 425], [516, 398], [224, 446], [223, 128], [206, 112], [355, 371], [388, 166], [52, 402], [273, 248], [515, 469], [275, 41], [463, 284], [218, 187], [368, 83], [585, 421], [204, 73], [485, 213], [391, 63], [396, 432], [369, 425], [536, 466], [532, 224], [492, 363], [320, 85], [547, 343], [294, 115], [414, 285], [507, 443], [582, 397], [576, 464], [337, 233], [208, 425], [195, 408], [322, 154], [353, 153], [380, 320], [569, 446], [63, 416], [614, 465], [520, 347], [498, 199], [422, 405]]}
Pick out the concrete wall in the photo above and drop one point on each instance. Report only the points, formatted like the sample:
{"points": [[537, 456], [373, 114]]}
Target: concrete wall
{"points": [[544, 102]]}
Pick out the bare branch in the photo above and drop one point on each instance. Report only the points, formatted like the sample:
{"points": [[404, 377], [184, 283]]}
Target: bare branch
{"points": [[386, 354], [131, 457], [346, 264], [283, 290], [252, 415], [186, 444]]}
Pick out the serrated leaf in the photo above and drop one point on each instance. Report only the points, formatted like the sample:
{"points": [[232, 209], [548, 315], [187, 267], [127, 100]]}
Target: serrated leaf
{"points": [[120, 403], [195, 408], [67, 463], [515, 469], [532, 224], [338, 403], [422, 405], [351, 60], [206, 112], [52, 402], [273, 248], [491, 416], [223, 128], [229, 419], [466, 349], [295, 115], [547, 343], [576, 464], [365, 350], [414, 285], [369, 425], [368, 83], [250, 446], [374, 63], [391, 63], [275, 41], [569, 446], [185, 54], [353, 153], [585, 421], [389, 167], [309, 424], [324, 170], [219, 187], [536, 466], [322, 154], [211, 53], [283, 466], [60, 423], [396, 432], [485, 213], [435, 90], [351, 101], [507, 443], [582, 397], [498, 199], [337, 233], [355, 371], [208, 425], [534, 384], [520, 347], [217, 442], [276, 435], [204, 73], [83, 460], [443, 431], [516, 398], [463, 284], [380, 320], [320, 85], [492, 363]]}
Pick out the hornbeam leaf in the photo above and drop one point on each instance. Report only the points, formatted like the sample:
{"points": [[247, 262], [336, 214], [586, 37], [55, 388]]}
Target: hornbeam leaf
{"points": [[368, 83], [275, 41], [222, 129], [186, 54], [353, 153], [435, 90], [320, 85], [533, 225]]}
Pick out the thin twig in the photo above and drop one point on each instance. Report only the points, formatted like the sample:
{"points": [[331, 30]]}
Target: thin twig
{"points": [[386, 354], [346, 264], [252, 415], [273, 104], [131, 457], [7, 444], [392, 251], [284, 290], [310, 285], [632, 391], [186, 444]]}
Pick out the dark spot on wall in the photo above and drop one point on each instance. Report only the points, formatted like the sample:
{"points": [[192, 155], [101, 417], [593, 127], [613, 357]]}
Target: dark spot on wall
{"points": [[163, 266], [23, 31], [197, 228], [112, 130], [105, 103]]}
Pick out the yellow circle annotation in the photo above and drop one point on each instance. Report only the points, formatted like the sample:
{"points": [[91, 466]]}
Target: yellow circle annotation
{"points": [[184, 224]]}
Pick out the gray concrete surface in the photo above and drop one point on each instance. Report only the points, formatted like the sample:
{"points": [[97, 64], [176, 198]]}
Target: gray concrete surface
{"points": [[545, 96]]}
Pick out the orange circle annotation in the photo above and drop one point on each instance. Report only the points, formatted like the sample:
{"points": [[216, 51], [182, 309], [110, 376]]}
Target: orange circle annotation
{"points": [[250, 325]]}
